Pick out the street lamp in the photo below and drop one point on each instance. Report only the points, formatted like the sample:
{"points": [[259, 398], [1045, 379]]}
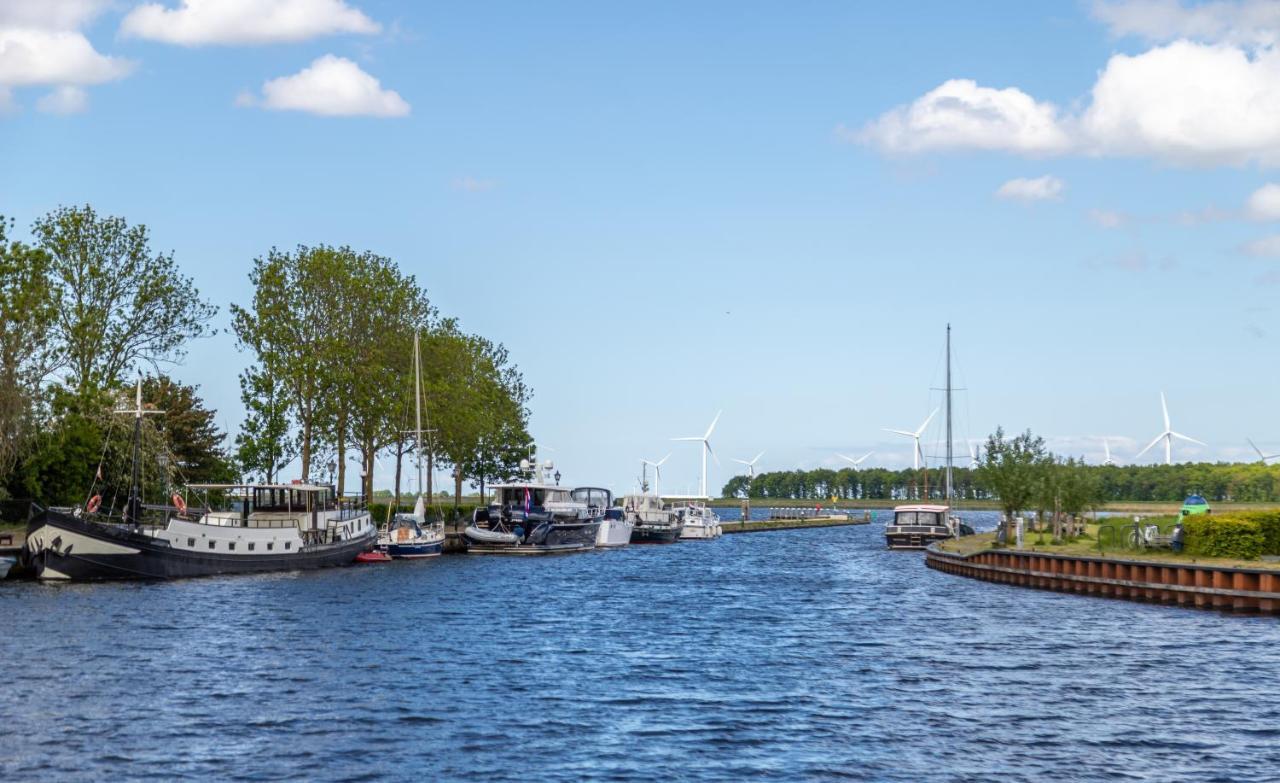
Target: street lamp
{"points": [[557, 478], [333, 468]]}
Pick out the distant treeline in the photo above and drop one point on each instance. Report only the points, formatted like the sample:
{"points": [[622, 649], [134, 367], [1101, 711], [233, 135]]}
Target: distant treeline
{"points": [[1221, 481]]}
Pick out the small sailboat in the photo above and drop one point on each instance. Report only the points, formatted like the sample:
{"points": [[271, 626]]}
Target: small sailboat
{"points": [[917, 525], [409, 536]]}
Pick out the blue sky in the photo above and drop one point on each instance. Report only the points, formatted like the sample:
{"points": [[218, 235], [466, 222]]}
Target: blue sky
{"points": [[767, 208]]}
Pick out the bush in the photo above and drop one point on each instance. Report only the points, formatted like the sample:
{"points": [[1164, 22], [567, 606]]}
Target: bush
{"points": [[1233, 535]]}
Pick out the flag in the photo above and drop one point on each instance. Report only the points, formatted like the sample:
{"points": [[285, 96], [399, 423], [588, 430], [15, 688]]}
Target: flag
{"points": [[527, 500], [99, 474]]}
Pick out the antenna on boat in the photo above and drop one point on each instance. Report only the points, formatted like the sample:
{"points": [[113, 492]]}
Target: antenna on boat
{"points": [[950, 456]]}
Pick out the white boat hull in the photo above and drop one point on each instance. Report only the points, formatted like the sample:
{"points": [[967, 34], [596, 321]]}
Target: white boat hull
{"points": [[697, 530], [614, 533]]}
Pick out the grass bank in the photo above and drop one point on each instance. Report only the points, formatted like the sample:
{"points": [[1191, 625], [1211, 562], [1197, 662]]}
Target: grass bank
{"points": [[1087, 546]]}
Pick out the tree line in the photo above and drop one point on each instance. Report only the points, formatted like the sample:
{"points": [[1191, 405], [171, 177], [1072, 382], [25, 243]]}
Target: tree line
{"points": [[88, 305], [1221, 481]]}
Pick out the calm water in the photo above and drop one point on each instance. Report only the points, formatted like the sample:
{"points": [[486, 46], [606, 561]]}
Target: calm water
{"points": [[794, 655]]}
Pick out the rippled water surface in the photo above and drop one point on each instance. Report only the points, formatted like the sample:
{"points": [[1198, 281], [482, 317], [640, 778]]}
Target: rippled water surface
{"points": [[810, 654]]}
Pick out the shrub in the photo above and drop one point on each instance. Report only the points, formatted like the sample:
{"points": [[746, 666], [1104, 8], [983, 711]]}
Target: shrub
{"points": [[1234, 536]]}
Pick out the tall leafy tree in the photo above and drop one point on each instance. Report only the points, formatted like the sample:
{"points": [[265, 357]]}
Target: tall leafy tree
{"points": [[266, 442], [119, 303], [293, 326], [190, 431], [28, 352], [1011, 469]]}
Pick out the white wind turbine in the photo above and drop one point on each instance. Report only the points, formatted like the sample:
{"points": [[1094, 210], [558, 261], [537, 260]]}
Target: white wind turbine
{"points": [[706, 449], [974, 461], [918, 455], [1167, 436], [1106, 449], [1262, 457], [855, 462], [751, 466], [657, 473]]}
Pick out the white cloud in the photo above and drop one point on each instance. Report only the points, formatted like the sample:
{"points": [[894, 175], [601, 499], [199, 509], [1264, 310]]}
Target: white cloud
{"points": [[49, 14], [1264, 247], [32, 56], [960, 114], [199, 22], [67, 99], [1188, 103], [330, 86], [473, 184], [1046, 188], [1251, 22], [7, 104], [1264, 203], [1108, 218]]}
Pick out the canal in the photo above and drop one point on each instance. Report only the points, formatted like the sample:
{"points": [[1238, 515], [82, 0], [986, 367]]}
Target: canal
{"points": [[794, 655]]}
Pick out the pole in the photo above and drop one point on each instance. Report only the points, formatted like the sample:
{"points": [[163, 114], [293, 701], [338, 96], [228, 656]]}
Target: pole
{"points": [[417, 405], [947, 494], [135, 502]]}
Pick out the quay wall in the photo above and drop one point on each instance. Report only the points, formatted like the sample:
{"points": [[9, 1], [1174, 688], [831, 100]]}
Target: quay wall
{"points": [[1199, 586]]}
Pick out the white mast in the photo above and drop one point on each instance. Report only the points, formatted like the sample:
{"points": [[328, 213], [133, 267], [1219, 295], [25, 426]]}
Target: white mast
{"points": [[947, 493], [420, 506]]}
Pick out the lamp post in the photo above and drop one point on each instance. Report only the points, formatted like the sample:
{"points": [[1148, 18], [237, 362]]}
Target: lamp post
{"points": [[333, 468], [557, 478]]}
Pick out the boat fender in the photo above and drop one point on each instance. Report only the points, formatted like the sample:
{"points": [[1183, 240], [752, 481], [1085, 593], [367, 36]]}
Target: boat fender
{"points": [[519, 531], [179, 503], [93, 504]]}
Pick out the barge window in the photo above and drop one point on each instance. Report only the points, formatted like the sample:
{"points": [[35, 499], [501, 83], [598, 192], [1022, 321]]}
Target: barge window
{"points": [[288, 545], [191, 542], [271, 545], [231, 545], [211, 543], [250, 546]]}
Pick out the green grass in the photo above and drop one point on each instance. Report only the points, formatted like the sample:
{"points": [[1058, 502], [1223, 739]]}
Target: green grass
{"points": [[1087, 546]]}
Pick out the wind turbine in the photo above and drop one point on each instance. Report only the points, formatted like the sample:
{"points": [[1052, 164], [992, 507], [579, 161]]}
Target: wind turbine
{"points": [[1106, 448], [706, 449], [657, 473], [1262, 457], [1168, 435], [855, 462], [751, 466], [974, 461], [918, 455]]}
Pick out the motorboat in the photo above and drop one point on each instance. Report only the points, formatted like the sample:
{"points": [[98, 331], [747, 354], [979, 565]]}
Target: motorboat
{"points": [[615, 528], [533, 517], [700, 522], [651, 521]]}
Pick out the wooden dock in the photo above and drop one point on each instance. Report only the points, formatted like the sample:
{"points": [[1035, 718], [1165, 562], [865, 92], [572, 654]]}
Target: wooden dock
{"points": [[792, 523], [1184, 584]]}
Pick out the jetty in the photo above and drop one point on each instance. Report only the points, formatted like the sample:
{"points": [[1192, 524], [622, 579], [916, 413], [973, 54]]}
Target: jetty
{"points": [[789, 519]]}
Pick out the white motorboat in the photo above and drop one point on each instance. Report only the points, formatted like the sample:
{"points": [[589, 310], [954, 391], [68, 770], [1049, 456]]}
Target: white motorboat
{"points": [[651, 521], [615, 528], [700, 522], [533, 517]]}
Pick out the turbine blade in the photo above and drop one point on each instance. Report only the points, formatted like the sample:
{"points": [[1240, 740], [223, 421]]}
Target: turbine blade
{"points": [[920, 431], [1149, 446], [711, 451], [1184, 437], [664, 459], [741, 461], [693, 438], [757, 458], [863, 458], [846, 458], [903, 433], [710, 429], [1165, 409], [1261, 456]]}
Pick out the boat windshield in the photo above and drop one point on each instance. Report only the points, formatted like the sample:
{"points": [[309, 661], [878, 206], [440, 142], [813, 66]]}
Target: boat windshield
{"points": [[538, 496], [931, 518]]}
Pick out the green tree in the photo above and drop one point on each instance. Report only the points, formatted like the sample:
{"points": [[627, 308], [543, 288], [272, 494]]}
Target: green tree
{"points": [[293, 327], [266, 443], [119, 304], [1011, 470], [190, 431], [28, 354]]}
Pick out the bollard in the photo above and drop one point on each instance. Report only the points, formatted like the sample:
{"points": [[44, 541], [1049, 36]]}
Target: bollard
{"points": [[1019, 525]]}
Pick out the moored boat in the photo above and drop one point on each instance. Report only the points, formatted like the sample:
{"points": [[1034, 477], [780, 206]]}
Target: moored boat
{"points": [[651, 521], [615, 528], [531, 518], [259, 527], [700, 522]]}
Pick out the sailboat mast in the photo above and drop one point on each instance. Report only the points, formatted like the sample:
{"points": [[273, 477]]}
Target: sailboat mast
{"points": [[135, 482], [417, 406], [947, 494]]}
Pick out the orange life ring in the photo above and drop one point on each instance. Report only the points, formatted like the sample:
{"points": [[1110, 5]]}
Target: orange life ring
{"points": [[179, 503], [93, 504]]}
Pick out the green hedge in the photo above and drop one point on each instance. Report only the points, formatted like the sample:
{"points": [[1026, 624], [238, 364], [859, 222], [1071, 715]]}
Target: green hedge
{"points": [[1228, 535]]}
